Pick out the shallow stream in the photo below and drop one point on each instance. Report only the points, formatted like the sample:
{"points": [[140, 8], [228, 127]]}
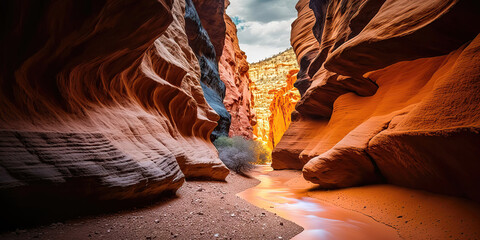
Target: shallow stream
{"points": [[319, 219]]}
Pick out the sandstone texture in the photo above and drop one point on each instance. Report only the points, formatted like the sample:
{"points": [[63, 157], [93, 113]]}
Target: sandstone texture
{"points": [[393, 97], [304, 43], [273, 94], [213, 87], [211, 14], [233, 68], [101, 100], [281, 108]]}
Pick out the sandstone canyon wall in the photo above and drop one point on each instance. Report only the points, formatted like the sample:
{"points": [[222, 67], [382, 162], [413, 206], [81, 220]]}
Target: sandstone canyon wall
{"points": [[393, 95], [281, 108], [102, 100], [234, 73], [304, 43], [213, 88], [275, 96]]}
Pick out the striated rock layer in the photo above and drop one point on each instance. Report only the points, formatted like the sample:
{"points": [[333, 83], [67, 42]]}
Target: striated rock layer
{"points": [[393, 97], [100, 100], [234, 73], [269, 77]]}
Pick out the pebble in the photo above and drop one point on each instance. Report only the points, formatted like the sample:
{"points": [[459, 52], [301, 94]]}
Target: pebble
{"points": [[157, 221]]}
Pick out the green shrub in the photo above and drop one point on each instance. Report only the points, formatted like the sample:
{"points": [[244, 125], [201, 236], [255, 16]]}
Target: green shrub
{"points": [[239, 154]]}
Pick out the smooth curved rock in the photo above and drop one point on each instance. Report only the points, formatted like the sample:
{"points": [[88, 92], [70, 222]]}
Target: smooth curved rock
{"points": [[404, 30], [394, 97], [304, 43], [406, 153], [101, 100]]}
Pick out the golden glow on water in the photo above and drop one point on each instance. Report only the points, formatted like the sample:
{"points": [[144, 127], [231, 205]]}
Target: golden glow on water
{"points": [[319, 219]]}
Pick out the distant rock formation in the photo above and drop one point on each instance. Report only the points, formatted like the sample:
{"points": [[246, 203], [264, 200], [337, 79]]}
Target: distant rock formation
{"points": [[271, 78], [213, 87], [281, 108], [393, 96], [101, 100], [234, 73]]}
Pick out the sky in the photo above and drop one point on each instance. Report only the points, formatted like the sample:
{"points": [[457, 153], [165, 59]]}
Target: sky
{"points": [[263, 26]]}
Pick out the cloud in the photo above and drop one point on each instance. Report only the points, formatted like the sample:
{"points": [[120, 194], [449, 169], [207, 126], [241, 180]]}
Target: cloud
{"points": [[263, 26], [271, 33], [256, 53], [263, 11]]}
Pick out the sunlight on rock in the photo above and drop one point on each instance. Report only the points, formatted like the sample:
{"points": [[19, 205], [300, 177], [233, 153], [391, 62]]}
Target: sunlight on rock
{"points": [[275, 96]]}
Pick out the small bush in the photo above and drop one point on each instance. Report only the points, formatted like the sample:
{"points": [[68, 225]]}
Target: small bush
{"points": [[239, 154], [264, 155]]}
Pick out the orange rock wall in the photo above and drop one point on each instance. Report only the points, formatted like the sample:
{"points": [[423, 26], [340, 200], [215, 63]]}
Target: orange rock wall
{"points": [[272, 76], [393, 98], [239, 99], [101, 101], [281, 107]]}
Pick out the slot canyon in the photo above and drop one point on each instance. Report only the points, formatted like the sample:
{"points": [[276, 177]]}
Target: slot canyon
{"points": [[240, 119]]}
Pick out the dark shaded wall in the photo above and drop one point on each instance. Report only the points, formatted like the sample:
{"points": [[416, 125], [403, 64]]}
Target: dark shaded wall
{"points": [[213, 87]]}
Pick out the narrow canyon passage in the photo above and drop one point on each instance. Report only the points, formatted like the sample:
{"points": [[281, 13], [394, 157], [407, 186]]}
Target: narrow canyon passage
{"points": [[358, 119]]}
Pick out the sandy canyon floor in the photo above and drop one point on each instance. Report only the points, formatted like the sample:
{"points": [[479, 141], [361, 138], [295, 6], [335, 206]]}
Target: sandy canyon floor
{"points": [[212, 210], [413, 214], [201, 210]]}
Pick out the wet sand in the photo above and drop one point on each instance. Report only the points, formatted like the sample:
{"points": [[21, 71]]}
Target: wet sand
{"points": [[414, 214], [212, 210], [321, 220], [201, 210]]}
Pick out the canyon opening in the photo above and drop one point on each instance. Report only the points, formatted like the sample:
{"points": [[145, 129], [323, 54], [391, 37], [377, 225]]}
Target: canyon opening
{"points": [[240, 119]]}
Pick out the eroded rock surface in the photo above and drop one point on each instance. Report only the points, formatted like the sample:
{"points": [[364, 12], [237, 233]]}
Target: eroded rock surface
{"points": [[393, 96], [281, 108], [269, 77], [211, 13], [304, 43], [101, 100], [213, 87], [234, 73]]}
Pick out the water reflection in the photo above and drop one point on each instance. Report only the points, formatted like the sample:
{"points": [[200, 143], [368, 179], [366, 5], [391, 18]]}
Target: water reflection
{"points": [[319, 219]]}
